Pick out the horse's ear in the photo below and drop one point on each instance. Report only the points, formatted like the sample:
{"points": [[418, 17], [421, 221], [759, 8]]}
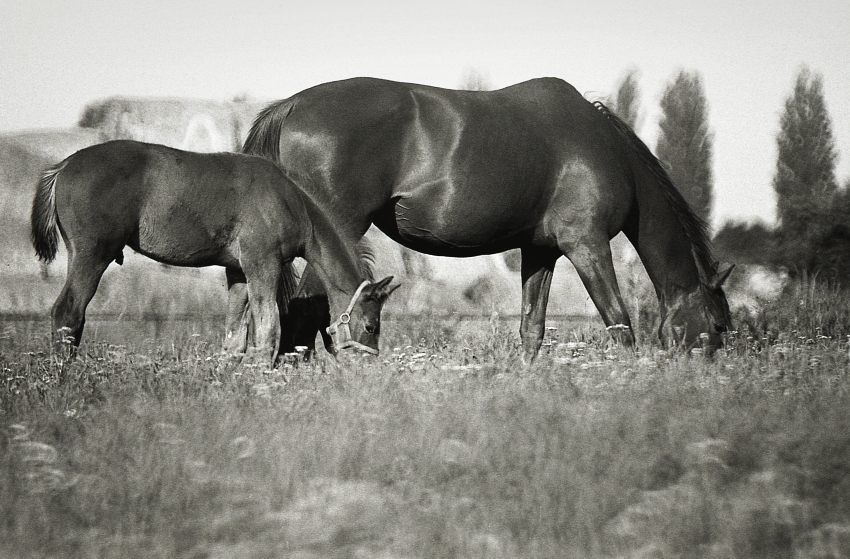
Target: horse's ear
{"points": [[381, 290], [721, 277]]}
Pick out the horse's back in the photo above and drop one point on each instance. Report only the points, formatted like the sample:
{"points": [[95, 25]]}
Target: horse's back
{"points": [[99, 186], [178, 207], [444, 171]]}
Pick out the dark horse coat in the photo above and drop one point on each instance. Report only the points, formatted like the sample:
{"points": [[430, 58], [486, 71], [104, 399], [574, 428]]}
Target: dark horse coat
{"points": [[192, 209], [533, 166]]}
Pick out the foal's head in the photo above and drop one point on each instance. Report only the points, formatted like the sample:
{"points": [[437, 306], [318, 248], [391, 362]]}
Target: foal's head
{"points": [[359, 326]]}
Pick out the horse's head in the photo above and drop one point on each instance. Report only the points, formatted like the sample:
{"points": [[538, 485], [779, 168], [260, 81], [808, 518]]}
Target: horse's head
{"points": [[697, 319], [359, 325]]}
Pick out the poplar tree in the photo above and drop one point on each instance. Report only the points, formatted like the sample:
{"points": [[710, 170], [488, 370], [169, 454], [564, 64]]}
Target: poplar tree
{"points": [[805, 184], [686, 143], [627, 101], [474, 80]]}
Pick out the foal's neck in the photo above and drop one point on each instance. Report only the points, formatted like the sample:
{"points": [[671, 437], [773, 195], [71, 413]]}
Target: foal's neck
{"points": [[332, 256]]}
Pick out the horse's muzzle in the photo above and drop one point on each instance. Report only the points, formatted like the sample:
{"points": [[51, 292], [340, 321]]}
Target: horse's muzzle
{"points": [[340, 333]]}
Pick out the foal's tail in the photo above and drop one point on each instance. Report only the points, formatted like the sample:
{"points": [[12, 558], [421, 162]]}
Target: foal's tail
{"points": [[264, 137], [44, 231]]}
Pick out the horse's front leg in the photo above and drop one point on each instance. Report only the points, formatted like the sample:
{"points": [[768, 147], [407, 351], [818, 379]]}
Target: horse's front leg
{"points": [[263, 280], [537, 267], [595, 267], [238, 317]]}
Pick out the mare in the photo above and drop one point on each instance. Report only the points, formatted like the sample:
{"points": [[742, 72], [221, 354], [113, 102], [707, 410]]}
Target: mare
{"points": [[533, 166], [191, 209]]}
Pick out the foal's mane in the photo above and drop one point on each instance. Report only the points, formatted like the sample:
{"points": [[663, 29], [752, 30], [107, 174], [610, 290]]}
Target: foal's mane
{"points": [[694, 227]]}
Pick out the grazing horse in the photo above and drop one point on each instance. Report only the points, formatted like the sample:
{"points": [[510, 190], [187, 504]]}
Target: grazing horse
{"points": [[190, 209], [533, 166]]}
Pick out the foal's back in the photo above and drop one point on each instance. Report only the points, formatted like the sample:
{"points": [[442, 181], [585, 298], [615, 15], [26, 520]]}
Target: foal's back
{"points": [[178, 207]]}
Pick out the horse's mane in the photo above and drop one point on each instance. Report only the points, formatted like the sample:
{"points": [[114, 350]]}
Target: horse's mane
{"points": [[694, 227], [367, 257]]}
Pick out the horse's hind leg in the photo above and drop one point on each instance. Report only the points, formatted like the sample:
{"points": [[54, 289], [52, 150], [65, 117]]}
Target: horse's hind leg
{"points": [[537, 267], [238, 313], [69, 310]]}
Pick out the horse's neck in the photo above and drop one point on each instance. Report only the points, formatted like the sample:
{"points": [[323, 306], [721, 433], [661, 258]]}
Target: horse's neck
{"points": [[332, 258], [662, 244]]}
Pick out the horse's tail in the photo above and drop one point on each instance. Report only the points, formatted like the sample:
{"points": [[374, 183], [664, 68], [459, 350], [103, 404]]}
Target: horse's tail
{"points": [[289, 281], [44, 225], [264, 137]]}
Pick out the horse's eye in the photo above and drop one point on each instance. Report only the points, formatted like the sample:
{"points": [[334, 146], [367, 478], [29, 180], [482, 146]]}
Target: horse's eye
{"points": [[370, 328]]}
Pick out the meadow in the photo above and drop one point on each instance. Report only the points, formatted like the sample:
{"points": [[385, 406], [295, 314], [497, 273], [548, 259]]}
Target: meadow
{"points": [[153, 444]]}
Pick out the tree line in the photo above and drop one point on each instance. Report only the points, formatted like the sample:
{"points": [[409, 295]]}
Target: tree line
{"points": [[812, 233]]}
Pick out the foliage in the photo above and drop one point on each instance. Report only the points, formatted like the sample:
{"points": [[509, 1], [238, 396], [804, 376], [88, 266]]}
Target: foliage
{"points": [[808, 309], [813, 232], [685, 142], [805, 168], [627, 102], [746, 243], [475, 80]]}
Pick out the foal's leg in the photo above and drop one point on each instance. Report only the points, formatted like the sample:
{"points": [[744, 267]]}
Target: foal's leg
{"points": [[592, 260], [238, 313], [263, 279], [537, 267], [69, 311]]}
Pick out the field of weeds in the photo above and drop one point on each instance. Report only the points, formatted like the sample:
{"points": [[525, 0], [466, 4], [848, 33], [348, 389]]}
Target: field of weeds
{"points": [[443, 446]]}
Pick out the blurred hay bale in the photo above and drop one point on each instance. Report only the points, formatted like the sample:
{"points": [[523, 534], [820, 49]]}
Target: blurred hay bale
{"points": [[190, 124]]}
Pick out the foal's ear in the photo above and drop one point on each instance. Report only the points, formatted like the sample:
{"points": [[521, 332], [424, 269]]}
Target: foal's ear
{"points": [[381, 290], [721, 277]]}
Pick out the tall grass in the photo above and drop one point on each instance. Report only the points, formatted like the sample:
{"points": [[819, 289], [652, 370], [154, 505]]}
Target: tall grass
{"points": [[808, 308], [444, 446]]}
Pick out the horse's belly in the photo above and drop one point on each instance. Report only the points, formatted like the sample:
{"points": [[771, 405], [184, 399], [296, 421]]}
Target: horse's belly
{"points": [[180, 241], [429, 222]]}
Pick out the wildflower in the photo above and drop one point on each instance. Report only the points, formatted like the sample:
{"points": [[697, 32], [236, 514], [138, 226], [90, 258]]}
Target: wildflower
{"points": [[19, 432], [262, 389], [35, 452], [42, 480]]}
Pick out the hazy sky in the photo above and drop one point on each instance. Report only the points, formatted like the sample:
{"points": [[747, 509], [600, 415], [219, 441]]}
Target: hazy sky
{"points": [[55, 56]]}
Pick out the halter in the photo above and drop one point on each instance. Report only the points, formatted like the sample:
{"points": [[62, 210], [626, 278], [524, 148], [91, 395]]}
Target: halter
{"points": [[340, 325]]}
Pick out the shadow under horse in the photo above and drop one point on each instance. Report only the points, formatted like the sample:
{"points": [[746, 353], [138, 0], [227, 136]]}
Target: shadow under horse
{"points": [[192, 209], [533, 166]]}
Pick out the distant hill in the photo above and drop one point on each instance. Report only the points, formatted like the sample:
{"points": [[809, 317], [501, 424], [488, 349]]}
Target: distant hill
{"points": [[23, 156], [190, 124]]}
